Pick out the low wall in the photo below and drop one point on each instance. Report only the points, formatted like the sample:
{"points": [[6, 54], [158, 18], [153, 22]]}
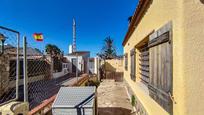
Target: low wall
{"points": [[114, 69], [117, 76], [60, 74]]}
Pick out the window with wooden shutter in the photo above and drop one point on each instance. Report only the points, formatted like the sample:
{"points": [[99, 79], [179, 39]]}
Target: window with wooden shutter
{"points": [[126, 61], [160, 71], [132, 65], [144, 63]]}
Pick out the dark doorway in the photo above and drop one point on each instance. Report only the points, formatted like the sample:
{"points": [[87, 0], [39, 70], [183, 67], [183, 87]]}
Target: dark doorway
{"points": [[74, 65]]}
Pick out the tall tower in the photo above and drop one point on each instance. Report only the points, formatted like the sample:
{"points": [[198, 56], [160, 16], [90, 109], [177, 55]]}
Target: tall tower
{"points": [[74, 36]]}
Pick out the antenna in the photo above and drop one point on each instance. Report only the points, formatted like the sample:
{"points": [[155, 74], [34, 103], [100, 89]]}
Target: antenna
{"points": [[74, 36]]}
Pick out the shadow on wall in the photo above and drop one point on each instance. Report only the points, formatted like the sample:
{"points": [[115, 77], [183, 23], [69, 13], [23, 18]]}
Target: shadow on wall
{"points": [[74, 68], [110, 72], [109, 67]]}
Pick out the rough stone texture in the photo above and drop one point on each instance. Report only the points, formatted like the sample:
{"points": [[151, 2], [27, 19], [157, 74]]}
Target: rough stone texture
{"points": [[4, 73], [113, 99]]}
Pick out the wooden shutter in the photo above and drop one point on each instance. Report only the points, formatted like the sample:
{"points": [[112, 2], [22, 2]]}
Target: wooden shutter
{"points": [[126, 61], [160, 84], [132, 71], [144, 63]]}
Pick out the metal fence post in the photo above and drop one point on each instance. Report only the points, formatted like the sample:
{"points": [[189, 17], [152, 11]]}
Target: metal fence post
{"points": [[17, 66], [25, 69]]}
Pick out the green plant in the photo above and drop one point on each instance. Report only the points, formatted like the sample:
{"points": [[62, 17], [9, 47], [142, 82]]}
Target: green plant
{"points": [[108, 50], [53, 50], [133, 100]]}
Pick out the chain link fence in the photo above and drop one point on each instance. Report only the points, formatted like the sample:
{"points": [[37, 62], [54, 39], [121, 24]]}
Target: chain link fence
{"points": [[9, 58], [43, 82], [45, 73]]}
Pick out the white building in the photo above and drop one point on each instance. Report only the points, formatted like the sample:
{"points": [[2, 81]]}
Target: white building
{"points": [[78, 60], [64, 71], [94, 65]]}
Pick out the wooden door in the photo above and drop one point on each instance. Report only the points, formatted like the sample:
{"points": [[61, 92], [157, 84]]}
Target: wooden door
{"points": [[160, 71]]}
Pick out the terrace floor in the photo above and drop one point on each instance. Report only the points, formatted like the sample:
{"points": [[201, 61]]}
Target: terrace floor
{"points": [[113, 99]]}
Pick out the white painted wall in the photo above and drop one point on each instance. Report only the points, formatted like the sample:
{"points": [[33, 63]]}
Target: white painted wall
{"points": [[70, 48], [79, 65], [81, 61], [94, 66], [65, 68]]}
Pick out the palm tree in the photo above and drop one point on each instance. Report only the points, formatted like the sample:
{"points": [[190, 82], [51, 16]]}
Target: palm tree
{"points": [[53, 50], [108, 50], [55, 53]]}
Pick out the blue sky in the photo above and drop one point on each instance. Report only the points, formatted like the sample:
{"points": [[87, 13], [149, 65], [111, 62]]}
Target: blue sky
{"points": [[96, 19]]}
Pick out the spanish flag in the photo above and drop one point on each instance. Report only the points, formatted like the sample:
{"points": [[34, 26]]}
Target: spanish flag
{"points": [[38, 36]]}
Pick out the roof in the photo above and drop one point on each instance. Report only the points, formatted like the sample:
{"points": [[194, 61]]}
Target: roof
{"points": [[91, 59], [64, 60], [31, 52], [9, 49], [142, 5], [79, 53], [73, 97]]}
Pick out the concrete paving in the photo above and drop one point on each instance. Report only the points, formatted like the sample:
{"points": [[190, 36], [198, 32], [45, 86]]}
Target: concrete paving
{"points": [[113, 99]]}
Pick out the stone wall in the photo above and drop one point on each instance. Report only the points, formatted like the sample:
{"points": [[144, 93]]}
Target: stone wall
{"points": [[4, 73]]}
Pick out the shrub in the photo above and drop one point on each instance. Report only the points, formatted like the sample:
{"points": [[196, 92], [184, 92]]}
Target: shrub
{"points": [[133, 100]]}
